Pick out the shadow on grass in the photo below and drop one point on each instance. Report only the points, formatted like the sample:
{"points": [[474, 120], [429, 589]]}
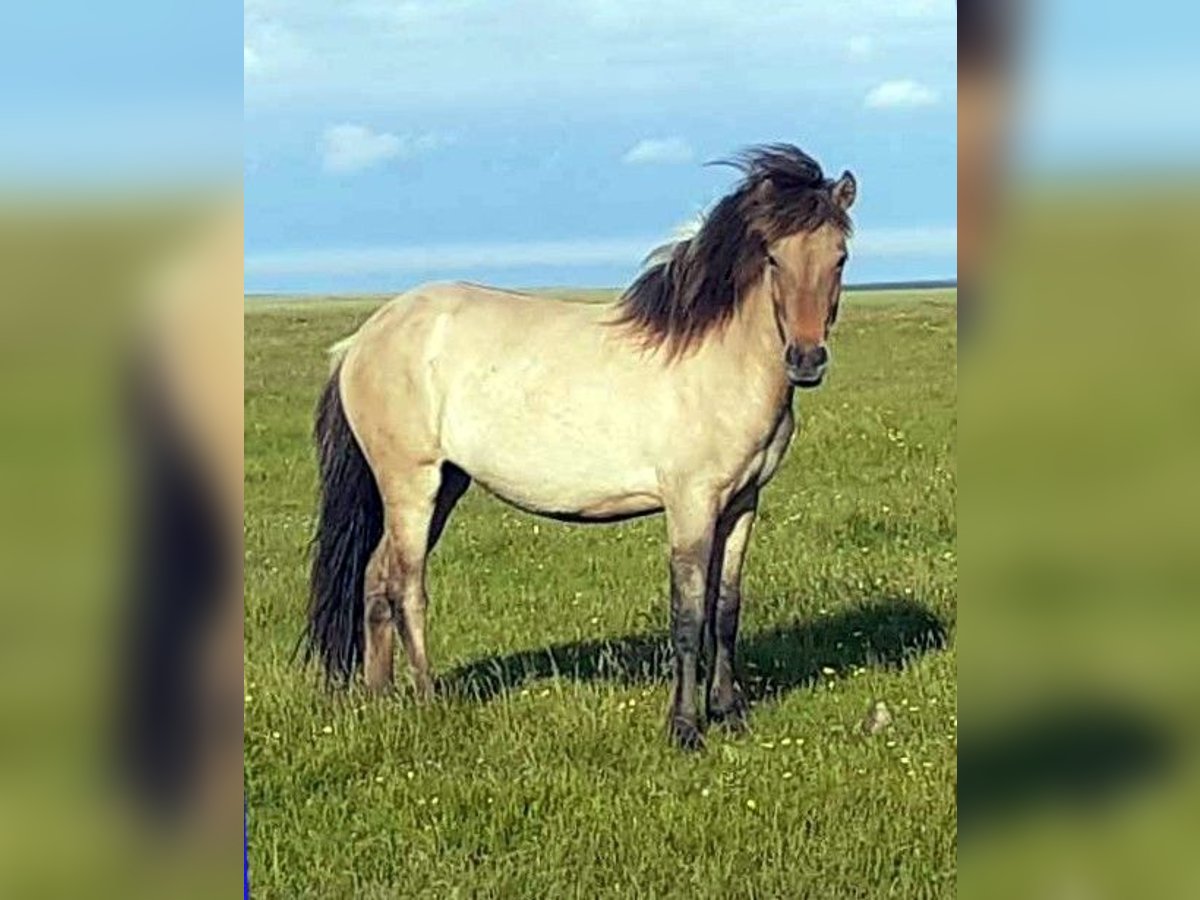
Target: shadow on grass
{"points": [[881, 633]]}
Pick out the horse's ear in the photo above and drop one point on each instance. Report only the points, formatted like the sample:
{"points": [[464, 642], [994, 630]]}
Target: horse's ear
{"points": [[764, 191], [845, 189]]}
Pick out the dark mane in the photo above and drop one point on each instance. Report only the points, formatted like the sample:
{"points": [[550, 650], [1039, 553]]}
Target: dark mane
{"points": [[691, 287]]}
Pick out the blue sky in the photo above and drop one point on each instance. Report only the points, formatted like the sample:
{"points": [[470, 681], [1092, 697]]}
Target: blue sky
{"points": [[536, 142]]}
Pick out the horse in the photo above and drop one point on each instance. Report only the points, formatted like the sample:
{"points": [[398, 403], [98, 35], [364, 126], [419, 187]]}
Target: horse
{"points": [[675, 399]]}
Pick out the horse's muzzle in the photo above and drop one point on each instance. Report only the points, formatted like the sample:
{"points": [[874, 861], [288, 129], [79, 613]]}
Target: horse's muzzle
{"points": [[806, 366]]}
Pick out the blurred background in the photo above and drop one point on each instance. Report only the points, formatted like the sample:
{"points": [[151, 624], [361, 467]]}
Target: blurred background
{"points": [[1079, 206], [120, 455]]}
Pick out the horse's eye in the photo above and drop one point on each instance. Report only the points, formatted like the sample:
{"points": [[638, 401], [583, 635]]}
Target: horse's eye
{"points": [[841, 263], [772, 262]]}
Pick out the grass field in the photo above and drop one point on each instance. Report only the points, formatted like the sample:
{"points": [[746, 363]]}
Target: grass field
{"points": [[543, 771]]}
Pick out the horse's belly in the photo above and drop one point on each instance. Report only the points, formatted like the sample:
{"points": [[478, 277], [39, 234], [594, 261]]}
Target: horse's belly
{"points": [[569, 493], [569, 478], [595, 506]]}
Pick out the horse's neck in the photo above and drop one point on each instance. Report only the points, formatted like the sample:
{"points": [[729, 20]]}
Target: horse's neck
{"points": [[755, 347], [738, 375]]}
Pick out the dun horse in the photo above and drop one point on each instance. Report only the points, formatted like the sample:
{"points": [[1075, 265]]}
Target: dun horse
{"points": [[677, 400]]}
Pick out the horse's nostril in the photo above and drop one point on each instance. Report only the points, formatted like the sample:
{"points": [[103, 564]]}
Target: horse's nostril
{"points": [[806, 358]]}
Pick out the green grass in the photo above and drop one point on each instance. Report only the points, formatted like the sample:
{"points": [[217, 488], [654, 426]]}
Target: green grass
{"points": [[544, 771]]}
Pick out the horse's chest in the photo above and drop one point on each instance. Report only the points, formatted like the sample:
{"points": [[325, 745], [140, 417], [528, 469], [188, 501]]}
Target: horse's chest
{"points": [[768, 459]]}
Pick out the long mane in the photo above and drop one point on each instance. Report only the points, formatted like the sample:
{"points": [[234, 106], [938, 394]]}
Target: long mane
{"points": [[691, 287]]}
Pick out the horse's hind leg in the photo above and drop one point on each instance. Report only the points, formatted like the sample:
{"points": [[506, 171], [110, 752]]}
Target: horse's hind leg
{"points": [[379, 621], [454, 484], [417, 508]]}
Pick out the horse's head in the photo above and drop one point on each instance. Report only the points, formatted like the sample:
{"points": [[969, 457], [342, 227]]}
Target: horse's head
{"points": [[804, 275], [779, 237]]}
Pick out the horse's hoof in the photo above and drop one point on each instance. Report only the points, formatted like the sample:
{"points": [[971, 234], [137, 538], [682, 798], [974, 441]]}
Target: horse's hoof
{"points": [[732, 717], [423, 690], [685, 734]]}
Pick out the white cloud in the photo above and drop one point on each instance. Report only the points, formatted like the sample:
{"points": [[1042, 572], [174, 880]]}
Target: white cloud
{"points": [[350, 148], [668, 150], [271, 51], [860, 47], [427, 142], [903, 93]]}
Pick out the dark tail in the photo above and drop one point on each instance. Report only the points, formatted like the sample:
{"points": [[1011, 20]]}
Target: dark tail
{"points": [[349, 528]]}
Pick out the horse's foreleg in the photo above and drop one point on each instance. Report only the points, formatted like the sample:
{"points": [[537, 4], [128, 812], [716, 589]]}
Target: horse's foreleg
{"points": [[691, 537], [725, 701]]}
